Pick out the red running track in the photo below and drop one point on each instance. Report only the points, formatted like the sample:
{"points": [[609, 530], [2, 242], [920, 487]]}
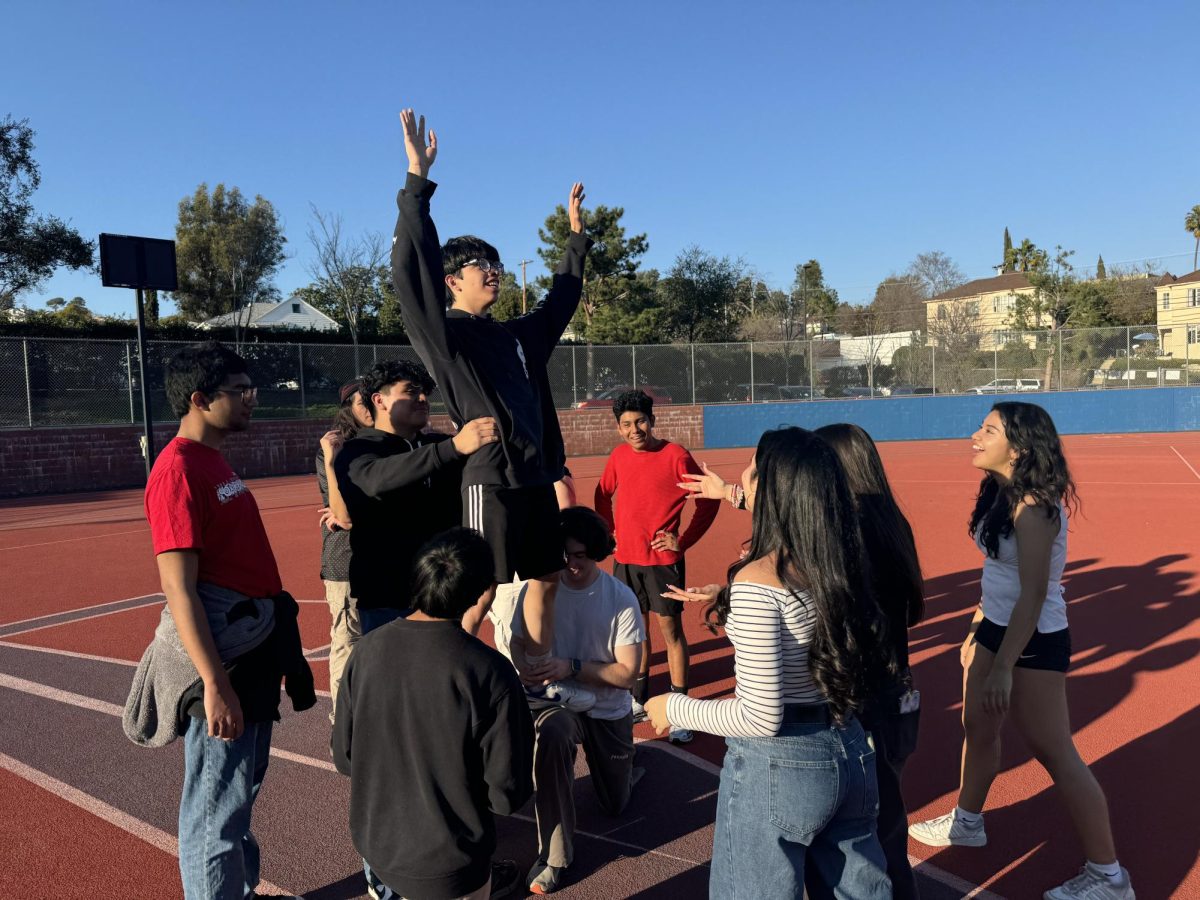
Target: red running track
{"points": [[1132, 588]]}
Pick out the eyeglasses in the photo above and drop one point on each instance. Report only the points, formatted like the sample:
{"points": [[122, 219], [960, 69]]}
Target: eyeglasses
{"points": [[247, 393], [486, 266]]}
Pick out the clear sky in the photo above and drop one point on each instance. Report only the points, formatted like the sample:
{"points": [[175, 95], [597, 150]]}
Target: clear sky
{"points": [[859, 133]]}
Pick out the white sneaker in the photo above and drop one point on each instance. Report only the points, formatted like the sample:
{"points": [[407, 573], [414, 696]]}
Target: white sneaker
{"points": [[565, 694], [679, 735], [639, 713], [948, 831], [1092, 885]]}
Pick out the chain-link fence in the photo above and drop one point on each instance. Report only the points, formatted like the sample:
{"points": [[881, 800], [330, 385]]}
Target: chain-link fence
{"points": [[62, 381]]}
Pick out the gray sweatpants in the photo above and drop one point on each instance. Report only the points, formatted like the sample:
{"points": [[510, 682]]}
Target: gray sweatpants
{"points": [[608, 748]]}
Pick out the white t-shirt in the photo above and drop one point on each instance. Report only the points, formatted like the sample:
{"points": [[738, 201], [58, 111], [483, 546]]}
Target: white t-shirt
{"points": [[1001, 581], [590, 624]]}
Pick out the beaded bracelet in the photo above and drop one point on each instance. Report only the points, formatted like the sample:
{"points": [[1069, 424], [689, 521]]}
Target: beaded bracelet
{"points": [[737, 496]]}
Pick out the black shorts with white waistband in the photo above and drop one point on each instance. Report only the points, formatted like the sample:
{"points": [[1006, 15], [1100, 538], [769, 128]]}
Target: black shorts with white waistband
{"points": [[1049, 650], [522, 526]]}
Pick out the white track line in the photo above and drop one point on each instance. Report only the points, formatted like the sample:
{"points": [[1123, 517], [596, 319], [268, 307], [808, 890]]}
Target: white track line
{"points": [[929, 871], [90, 537], [111, 709], [1186, 463], [144, 831], [67, 612], [71, 653]]}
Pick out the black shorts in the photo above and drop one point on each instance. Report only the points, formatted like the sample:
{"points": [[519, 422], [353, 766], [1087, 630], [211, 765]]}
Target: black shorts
{"points": [[1050, 651], [522, 526], [648, 583]]}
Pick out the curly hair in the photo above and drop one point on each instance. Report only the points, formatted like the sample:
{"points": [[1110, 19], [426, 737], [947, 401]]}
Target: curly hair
{"points": [[387, 372], [804, 513], [1040, 474]]}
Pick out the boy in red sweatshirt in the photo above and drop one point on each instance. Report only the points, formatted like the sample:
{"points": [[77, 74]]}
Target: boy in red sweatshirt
{"points": [[645, 471]]}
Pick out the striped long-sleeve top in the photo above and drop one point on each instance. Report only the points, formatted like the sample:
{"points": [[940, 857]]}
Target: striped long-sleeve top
{"points": [[771, 630]]}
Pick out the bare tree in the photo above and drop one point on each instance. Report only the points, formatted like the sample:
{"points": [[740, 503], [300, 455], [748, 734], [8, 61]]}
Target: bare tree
{"points": [[955, 336], [935, 272], [346, 269]]}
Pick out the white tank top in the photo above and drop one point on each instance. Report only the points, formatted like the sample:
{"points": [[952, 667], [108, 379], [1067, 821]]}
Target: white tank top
{"points": [[1001, 582]]}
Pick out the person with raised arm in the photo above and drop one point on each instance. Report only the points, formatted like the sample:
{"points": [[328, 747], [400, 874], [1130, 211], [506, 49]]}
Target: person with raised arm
{"points": [[495, 370]]}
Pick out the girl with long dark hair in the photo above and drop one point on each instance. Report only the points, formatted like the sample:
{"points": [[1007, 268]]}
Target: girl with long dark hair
{"points": [[1018, 649], [892, 717], [798, 792]]}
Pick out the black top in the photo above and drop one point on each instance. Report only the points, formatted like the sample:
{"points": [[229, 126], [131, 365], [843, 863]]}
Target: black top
{"points": [[399, 493], [444, 735], [335, 545], [484, 367]]}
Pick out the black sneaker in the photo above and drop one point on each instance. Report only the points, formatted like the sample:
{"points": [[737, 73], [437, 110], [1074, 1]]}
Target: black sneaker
{"points": [[506, 877]]}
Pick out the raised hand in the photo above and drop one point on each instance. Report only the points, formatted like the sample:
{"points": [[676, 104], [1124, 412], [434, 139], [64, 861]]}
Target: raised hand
{"points": [[575, 207], [710, 485], [420, 154], [475, 434]]}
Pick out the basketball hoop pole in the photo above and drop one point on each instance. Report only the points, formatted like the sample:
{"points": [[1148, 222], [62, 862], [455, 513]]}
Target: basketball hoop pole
{"points": [[147, 418]]}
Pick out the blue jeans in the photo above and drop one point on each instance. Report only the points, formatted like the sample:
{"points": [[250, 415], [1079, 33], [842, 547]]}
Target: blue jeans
{"points": [[218, 856], [806, 798], [370, 619]]}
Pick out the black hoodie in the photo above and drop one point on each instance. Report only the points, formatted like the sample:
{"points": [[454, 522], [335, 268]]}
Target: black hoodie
{"points": [[399, 493], [484, 367]]}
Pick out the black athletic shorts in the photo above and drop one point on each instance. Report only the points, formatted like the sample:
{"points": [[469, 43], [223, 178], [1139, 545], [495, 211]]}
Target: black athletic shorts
{"points": [[648, 583], [522, 526], [1050, 651]]}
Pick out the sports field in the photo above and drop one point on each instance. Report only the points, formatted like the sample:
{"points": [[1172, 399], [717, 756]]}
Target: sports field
{"points": [[87, 813]]}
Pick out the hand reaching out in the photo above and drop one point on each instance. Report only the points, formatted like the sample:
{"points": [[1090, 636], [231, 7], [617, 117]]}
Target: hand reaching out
{"points": [[710, 485], [575, 207], [707, 594], [420, 154]]}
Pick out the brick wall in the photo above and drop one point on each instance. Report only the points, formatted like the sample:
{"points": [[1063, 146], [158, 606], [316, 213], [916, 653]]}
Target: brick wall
{"points": [[100, 457]]}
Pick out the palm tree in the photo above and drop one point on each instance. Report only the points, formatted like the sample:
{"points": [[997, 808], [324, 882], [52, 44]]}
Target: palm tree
{"points": [[1192, 224]]}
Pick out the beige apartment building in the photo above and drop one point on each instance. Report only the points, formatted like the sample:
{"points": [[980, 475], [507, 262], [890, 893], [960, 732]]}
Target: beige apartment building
{"points": [[982, 306], [1177, 303]]}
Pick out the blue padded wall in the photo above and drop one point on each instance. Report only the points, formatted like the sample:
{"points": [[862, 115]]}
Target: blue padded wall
{"points": [[1113, 411]]}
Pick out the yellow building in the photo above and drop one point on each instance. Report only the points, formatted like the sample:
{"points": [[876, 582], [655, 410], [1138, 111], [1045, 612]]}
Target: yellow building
{"points": [[1177, 303], [984, 307]]}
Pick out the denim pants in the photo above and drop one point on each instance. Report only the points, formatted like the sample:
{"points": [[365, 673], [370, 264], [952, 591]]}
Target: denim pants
{"points": [[218, 856], [370, 619], [804, 799]]}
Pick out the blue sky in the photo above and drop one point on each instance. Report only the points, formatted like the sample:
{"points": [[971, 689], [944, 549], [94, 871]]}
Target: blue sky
{"points": [[858, 133]]}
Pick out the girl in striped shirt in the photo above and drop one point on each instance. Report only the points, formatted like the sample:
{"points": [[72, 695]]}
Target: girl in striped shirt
{"points": [[798, 786]]}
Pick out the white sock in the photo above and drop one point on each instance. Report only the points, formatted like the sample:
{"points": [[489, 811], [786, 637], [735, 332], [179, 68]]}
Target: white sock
{"points": [[970, 819], [1111, 871]]}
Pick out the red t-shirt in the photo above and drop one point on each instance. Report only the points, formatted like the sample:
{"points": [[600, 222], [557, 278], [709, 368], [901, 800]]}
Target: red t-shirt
{"points": [[650, 500], [195, 501]]}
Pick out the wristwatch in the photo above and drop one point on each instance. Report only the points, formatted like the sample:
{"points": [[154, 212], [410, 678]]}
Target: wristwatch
{"points": [[576, 666]]}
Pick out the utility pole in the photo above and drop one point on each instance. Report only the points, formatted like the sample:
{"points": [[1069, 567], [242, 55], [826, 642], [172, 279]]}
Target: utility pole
{"points": [[524, 263]]}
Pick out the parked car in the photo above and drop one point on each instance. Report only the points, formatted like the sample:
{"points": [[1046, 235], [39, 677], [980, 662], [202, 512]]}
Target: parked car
{"points": [[1008, 386], [768, 393], [904, 390], [604, 399]]}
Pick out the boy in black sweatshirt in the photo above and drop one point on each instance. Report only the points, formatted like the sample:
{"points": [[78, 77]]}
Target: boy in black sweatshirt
{"points": [[401, 485], [492, 369], [445, 738]]}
